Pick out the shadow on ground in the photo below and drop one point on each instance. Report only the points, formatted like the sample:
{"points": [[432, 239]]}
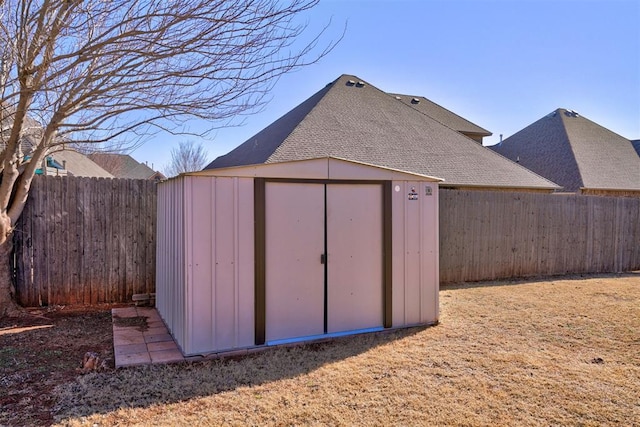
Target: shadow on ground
{"points": [[100, 393]]}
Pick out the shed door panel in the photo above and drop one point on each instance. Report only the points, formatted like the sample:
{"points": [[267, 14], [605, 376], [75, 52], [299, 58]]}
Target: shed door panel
{"points": [[355, 253], [294, 282]]}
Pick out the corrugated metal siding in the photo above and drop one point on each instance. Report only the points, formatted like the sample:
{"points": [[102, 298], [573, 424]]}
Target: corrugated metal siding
{"points": [[415, 253], [220, 264], [170, 257], [430, 264]]}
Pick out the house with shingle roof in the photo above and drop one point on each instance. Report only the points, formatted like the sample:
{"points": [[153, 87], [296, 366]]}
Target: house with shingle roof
{"points": [[62, 159], [352, 119], [576, 153], [77, 164], [444, 116], [125, 166]]}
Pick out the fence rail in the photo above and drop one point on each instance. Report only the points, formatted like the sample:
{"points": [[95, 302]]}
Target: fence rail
{"points": [[85, 241], [487, 235]]}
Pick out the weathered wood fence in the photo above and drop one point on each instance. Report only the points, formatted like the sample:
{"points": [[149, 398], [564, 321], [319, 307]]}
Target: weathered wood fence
{"points": [[85, 241], [88, 240], [488, 235]]}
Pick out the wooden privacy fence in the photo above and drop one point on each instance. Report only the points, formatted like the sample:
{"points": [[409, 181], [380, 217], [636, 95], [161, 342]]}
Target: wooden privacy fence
{"points": [[85, 241], [89, 240], [487, 235]]}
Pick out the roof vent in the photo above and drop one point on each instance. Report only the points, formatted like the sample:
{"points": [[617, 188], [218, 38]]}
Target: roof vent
{"points": [[570, 113], [415, 100], [360, 84], [351, 83], [398, 98]]}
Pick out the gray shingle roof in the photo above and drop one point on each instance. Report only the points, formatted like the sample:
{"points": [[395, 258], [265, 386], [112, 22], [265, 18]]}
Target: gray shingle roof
{"points": [[123, 166], [441, 114], [360, 122], [575, 153], [79, 165]]}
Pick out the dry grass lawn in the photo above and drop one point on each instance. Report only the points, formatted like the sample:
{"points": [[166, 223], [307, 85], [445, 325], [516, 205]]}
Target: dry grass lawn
{"points": [[556, 352]]}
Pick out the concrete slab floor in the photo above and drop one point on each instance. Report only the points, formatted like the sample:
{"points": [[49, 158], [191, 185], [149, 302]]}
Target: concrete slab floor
{"points": [[134, 346]]}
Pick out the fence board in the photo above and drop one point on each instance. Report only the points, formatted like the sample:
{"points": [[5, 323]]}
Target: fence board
{"points": [[85, 241], [488, 235]]}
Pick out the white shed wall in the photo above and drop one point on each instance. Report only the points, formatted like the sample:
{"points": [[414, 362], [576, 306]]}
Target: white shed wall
{"points": [[170, 257], [415, 254], [220, 264]]}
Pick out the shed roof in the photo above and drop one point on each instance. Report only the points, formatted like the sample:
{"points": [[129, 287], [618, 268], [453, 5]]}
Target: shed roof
{"points": [[318, 168], [574, 152], [351, 119]]}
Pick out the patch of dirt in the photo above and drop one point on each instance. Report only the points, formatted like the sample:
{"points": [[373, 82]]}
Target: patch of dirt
{"points": [[42, 349]]}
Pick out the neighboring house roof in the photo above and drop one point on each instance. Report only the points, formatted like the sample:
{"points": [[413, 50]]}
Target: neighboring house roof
{"points": [[354, 120], [444, 116], [575, 153], [125, 166], [61, 160], [636, 145], [78, 164]]}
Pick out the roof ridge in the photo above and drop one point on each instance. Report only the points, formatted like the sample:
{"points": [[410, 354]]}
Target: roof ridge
{"points": [[571, 147], [488, 133], [280, 124], [322, 94]]}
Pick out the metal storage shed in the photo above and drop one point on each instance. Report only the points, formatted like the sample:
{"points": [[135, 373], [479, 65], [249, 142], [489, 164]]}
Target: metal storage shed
{"points": [[265, 254]]}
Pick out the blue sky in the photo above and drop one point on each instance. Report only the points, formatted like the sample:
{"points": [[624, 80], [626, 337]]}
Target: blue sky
{"points": [[502, 64]]}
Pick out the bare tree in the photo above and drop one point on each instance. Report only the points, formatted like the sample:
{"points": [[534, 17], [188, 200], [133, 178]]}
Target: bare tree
{"points": [[96, 72], [186, 157]]}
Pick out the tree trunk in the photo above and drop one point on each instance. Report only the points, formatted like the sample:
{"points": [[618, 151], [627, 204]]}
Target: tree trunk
{"points": [[8, 304]]}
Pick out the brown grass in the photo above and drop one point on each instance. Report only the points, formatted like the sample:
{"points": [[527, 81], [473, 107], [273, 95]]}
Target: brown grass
{"points": [[42, 349], [555, 352]]}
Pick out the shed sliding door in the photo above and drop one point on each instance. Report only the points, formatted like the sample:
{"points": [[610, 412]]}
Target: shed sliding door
{"points": [[294, 276], [323, 259], [354, 260]]}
